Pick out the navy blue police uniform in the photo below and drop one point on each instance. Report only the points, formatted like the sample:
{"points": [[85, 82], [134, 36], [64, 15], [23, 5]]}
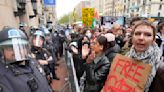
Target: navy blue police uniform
{"points": [[19, 73]]}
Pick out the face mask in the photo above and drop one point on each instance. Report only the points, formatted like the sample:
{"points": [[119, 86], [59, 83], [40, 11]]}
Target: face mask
{"points": [[89, 35], [55, 34]]}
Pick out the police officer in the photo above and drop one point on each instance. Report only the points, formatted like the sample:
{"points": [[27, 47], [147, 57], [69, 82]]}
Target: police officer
{"points": [[18, 73], [24, 27], [42, 55], [49, 46], [56, 43], [33, 29]]}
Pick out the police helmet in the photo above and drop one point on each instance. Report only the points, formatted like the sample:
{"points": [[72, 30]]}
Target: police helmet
{"points": [[38, 38], [13, 45], [22, 24], [45, 30], [33, 29]]}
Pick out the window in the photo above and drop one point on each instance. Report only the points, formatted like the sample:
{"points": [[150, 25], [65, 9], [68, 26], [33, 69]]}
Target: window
{"points": [[133, 4], [160, 7], [159, 14], [132, 10], [137, 9], [144, 2], [124, 8], [138, 2]]}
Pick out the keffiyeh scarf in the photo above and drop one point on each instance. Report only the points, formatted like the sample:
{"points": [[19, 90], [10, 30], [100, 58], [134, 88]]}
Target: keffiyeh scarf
{"points": [[151, 56]]}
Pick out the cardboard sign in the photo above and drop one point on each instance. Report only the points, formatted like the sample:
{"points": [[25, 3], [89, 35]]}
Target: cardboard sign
{"points": [[127, 75], [87, 16]]}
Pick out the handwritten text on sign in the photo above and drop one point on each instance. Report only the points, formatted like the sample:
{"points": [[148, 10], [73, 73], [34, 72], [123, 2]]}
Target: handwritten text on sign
{"points": [[87, 16], [127, 75]]}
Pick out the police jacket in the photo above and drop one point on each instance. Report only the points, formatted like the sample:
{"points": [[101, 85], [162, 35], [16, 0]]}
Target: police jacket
{"points": [[56, 40], [41, 53], [22, 78], [96, 74]]}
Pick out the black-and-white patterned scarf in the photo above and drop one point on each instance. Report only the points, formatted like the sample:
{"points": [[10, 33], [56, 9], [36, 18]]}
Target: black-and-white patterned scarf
{"points": [[151, 56]]}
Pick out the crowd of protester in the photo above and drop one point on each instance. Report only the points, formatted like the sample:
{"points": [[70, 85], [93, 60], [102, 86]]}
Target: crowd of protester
{"points": [[31, 56], [94, 50]]}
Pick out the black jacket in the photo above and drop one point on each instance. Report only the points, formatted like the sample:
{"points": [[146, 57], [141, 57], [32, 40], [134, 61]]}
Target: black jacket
{"points": [[79, 65], [111, 52], [158, 82], [96, 74]]}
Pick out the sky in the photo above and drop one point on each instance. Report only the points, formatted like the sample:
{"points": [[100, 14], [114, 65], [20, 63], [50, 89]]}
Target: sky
{"points": [[65, 6]]}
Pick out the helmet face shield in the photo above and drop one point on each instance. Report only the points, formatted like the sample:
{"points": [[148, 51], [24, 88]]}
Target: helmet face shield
{"points": [[15, 49], [38, 41]]}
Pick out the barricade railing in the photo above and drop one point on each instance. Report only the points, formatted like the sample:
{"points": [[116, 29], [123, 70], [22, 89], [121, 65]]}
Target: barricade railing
{"points": [[72, 72]]}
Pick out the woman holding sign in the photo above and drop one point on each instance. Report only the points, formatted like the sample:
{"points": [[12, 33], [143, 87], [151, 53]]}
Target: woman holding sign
{"points": [[145, 49]]}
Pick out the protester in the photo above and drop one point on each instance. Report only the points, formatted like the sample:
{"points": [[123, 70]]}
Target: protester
{"points": [[158, 82], [97, 66], [160, 34], [76, 49], [128, 35], [89, 33], [135, 21], [118, 32], [112, 47], [145, 49]]}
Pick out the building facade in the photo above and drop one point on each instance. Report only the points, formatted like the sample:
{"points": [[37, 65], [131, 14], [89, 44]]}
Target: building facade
{"points": [[7, 16], [144, 8], [131, 8], [98, 5], [119, 8], [157, 8], [30, 12], [108, 7], [49, 14], [78, 8]]}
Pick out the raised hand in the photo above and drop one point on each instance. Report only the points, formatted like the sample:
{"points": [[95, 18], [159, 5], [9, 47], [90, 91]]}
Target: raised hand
{"points": [[85, 51], [91, 57]]}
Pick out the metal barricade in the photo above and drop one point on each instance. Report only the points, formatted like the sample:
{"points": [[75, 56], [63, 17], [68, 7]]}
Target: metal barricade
{"points": [[72, 72]]}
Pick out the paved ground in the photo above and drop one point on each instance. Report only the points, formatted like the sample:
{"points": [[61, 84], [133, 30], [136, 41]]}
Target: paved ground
{"points": [[61, 85]]}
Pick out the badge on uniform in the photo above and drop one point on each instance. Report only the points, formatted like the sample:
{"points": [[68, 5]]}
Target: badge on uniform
{"points": [[45, 55], [13, 33]]}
